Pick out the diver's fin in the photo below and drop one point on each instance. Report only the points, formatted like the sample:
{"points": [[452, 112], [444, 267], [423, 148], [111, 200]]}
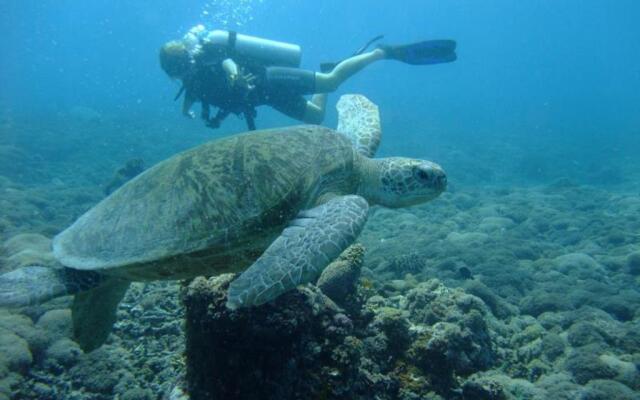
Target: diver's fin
{"points": [[423, 53], [310, 242], [94, 312], [36, 284]]}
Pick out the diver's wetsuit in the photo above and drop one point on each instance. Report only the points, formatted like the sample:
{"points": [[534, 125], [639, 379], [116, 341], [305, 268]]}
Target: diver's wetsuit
{"points": [[210, 86], [282, 88]]}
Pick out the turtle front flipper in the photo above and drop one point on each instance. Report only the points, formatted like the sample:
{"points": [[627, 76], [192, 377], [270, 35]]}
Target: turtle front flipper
{"points": [[359, 121], [301, 252]]}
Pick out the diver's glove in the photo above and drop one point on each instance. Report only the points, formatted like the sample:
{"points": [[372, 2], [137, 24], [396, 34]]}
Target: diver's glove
{"points": [[214, 123], [245, 82]]}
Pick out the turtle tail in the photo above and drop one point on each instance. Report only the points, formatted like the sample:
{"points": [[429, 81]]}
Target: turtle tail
{"points": [[36, 284]]}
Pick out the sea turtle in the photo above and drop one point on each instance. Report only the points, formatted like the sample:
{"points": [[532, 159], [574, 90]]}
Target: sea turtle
{"points": [[283, 202]]}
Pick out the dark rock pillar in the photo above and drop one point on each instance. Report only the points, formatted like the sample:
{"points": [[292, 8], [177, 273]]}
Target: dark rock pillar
{"points": [[297, 347]]}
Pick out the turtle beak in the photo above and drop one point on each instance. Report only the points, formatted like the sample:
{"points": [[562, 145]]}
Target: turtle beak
{"points": [[440, 179], [432, 176]]}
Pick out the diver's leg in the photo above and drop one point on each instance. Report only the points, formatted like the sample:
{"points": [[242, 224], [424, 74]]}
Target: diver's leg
{"points": [[328, 82], [299, 108], [286, 87], [315, 110]]}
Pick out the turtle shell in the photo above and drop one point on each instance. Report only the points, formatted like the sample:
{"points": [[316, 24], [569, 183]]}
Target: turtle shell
{"points": [[210, 209]]}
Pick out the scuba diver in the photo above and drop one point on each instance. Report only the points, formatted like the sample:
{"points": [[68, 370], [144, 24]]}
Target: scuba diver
{"points": [[237, 73]]}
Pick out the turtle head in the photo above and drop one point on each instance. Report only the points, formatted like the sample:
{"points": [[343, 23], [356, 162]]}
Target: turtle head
{"points": [[400, 182]]}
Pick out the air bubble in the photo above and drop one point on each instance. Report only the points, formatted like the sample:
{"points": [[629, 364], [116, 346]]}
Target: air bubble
{"points": [[229, 13]]}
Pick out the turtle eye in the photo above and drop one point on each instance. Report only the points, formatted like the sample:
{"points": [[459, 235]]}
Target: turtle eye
{"points": [[421, 174]]}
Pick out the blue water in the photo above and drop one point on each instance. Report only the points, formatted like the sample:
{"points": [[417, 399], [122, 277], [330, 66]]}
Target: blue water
{"points": [[565, 68]]}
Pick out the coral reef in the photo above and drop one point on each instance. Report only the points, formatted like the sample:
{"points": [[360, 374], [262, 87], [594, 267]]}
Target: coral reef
{"points": [[142, 359], [303, 345], [338, 281]]}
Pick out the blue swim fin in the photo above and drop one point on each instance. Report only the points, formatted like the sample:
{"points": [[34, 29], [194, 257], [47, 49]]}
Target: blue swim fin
{"points": [[423, 53]]}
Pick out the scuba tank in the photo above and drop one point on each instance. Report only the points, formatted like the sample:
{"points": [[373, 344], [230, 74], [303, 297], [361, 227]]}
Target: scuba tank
{"points": [[262, 51]]}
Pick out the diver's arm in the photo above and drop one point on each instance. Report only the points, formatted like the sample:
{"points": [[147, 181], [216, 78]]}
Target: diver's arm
{"points": [[238, 79], [231, 69], [188, 101]]}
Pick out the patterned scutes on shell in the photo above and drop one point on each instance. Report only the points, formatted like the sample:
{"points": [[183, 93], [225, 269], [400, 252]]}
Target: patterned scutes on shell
{"points": [[221, 198]]}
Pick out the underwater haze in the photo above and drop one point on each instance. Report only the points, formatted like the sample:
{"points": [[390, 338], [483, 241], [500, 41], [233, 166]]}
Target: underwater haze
{"points": [[520, 281], [553, 78]]}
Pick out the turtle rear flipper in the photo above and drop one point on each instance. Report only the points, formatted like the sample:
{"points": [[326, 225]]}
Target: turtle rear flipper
{"points": [[36, 284], [94, 313], [31, 285], [94, 305], [310, 242]]}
